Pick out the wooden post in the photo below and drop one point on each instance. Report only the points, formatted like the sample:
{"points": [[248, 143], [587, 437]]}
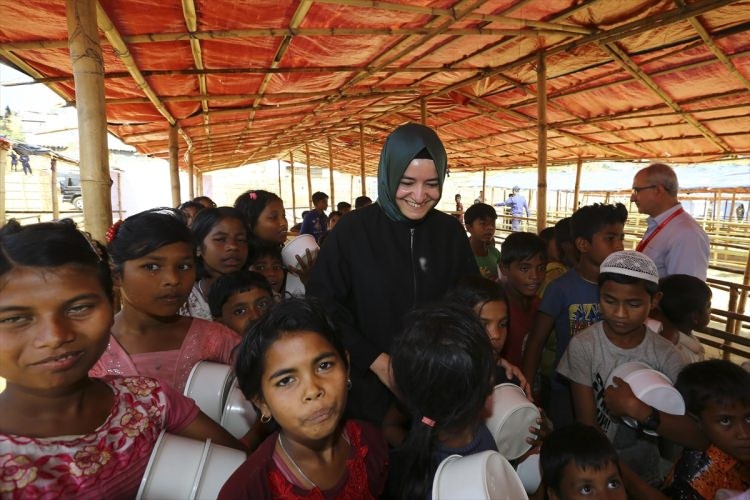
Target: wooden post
{"points": [[362, 158], [174, 167], [191, 173], [88, 75], [199, 183], [351, 188], [309, 176], [577, 188], [484, 184], [3, 162], [330, 168], [541, 84], [294, 197], [731, 209], [53, 188], [278, 162], [119, 195], [423, 110]]}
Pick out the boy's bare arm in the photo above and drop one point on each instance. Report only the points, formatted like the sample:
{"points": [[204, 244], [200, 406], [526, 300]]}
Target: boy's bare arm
{"points": [[543, 324], [583, 403]]}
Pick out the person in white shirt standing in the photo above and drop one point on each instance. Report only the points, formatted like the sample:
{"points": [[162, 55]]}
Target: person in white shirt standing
{"points": [[673, 239]]}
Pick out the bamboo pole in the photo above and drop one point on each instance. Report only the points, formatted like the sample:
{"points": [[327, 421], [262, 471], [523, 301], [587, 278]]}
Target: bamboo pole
{"points": [[199, 183], [362, 157], [351, 187], [309, 175], [119, 195], [294, 196], [88, 74], [278, 165], [423, 110], [484, 183], [330, 167], [577, 188], [731, 209], [541, 199], [174, 168], [3, 163], [191, 175], [53, 188]]}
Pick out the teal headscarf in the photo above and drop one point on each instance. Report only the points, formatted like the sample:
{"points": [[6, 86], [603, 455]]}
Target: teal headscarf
{"points": [[400, 148]]}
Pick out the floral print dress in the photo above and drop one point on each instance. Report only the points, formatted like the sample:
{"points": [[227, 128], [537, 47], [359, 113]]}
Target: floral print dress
{"points": [[107, 463]]}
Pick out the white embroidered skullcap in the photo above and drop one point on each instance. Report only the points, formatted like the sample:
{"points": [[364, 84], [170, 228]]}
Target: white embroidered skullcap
{"points": [[631, 263]]}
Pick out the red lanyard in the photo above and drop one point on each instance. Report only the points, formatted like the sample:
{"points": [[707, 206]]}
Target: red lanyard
{"points": [[642, 245]]}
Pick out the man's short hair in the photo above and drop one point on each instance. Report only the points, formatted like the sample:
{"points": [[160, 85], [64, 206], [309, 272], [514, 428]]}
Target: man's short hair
{"points": [[343, 206], [662, 175]]}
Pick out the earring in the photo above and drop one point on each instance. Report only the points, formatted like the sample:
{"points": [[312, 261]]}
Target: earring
{"points": [[264, 419], [349, 384]]}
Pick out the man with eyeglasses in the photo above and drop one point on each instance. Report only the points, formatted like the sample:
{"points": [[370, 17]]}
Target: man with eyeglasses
{"points": [[673, 239]]}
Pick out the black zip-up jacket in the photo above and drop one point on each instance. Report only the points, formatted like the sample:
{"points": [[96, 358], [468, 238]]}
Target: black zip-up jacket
{"points": [[371, 271]]}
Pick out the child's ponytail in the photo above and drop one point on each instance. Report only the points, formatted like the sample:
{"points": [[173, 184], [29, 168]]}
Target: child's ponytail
{"points": [[443, 366]]}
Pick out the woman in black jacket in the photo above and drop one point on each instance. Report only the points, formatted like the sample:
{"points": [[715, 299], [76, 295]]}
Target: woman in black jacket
{"points": [[383, 260]]}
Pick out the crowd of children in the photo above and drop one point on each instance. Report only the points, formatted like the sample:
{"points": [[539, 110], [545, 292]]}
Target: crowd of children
{"points": [[93, 376]]}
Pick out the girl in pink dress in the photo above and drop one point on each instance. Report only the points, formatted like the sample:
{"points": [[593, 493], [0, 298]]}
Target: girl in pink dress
{"points": [[62, 433], [153, 264], [293, 367]]}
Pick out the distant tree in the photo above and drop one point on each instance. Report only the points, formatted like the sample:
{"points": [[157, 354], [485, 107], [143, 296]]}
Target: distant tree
{"points": [[10, 125]]}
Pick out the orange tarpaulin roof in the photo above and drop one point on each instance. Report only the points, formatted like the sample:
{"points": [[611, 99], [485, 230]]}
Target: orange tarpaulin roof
{"points": [[247, 81]]}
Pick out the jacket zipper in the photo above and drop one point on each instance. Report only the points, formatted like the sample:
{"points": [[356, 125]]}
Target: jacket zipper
{"points": [[413, 267]]}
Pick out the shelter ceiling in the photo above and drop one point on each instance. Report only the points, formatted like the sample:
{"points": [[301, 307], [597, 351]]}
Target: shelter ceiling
{"points": [[252, 80]]}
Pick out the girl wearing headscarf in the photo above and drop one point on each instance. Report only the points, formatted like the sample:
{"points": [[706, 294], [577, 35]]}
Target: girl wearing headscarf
{"points": [[387, 258]]}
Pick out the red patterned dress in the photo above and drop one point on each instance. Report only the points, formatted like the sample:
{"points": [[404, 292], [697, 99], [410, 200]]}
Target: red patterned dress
{"points": [[107, 463]]}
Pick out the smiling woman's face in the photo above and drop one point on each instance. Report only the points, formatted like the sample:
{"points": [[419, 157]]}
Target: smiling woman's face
{"points": [[418, 190]]}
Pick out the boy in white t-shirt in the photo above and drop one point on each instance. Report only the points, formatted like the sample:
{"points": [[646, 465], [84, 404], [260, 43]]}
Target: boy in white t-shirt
{"points": [[629, 290]]}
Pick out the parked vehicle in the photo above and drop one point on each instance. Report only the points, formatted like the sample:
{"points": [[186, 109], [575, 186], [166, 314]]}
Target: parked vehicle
{"points": [[70, 188]]}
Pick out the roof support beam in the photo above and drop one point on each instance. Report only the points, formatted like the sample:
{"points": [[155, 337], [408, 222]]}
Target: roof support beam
{"points": [[541, 110], [88, 69]]}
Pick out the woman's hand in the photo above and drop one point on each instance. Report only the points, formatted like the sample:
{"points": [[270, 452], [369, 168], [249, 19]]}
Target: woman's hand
{"points": [[305, 265], [382, 368], [512, 371]]}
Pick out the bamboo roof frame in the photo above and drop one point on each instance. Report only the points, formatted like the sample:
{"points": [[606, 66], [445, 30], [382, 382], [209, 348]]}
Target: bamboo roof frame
{"points": [[485, 112]]}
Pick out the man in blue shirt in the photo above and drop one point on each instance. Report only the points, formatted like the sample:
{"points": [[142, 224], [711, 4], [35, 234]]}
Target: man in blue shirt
{"points": [[517, 204]]}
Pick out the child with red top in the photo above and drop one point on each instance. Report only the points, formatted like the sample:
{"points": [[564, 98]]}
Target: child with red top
{"points": [[523, 261], [153, 263], [293, 367], [62, 433]]}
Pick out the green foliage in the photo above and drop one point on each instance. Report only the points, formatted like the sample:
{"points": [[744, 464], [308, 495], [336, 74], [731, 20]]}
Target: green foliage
{"points": [[10, 125]]}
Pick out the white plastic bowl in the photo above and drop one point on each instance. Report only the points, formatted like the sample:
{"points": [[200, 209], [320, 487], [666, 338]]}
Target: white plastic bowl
{"points": [[239, 414], [650, 386], [187, 469], [530, 473], [297, 247], [512, 415], [482, 476], [209, 384]]}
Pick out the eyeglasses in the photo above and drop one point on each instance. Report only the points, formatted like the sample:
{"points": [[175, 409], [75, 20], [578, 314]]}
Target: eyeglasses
{"points": [[637, 190]]}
